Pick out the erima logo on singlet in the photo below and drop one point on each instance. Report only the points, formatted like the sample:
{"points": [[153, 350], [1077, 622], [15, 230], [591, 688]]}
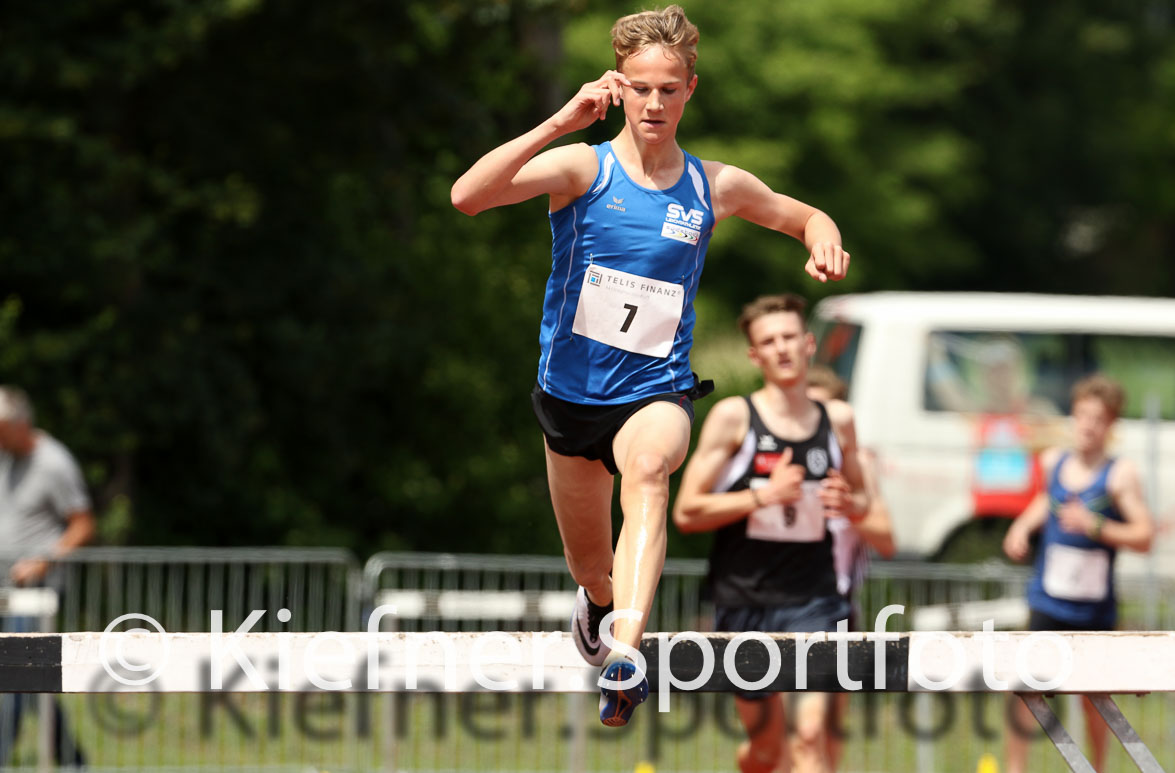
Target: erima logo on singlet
{"points": [[767, 443], [682, 225], [616, 202]]}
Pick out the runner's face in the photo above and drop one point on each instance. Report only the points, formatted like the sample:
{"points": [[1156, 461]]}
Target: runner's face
{"points": [[781, 347], [1091, 425], [661, 85]]}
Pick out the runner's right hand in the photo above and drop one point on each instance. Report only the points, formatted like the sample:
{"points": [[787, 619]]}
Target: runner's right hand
{"points": [[1016, 543], [785, 482], [591, 103]]}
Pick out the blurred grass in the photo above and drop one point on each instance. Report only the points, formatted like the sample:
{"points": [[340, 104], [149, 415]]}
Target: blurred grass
{"points": [[511, 732]]}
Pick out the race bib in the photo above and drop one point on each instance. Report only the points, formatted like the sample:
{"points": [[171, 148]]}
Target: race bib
{"points": [[1076, 574], [799, 521], [628, 311]]}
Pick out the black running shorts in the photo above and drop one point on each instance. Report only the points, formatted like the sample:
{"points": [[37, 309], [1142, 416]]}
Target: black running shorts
{"points": [[573, 429]]}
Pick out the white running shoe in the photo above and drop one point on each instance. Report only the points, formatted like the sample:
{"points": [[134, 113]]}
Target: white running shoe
{"points": [[585, 628]]}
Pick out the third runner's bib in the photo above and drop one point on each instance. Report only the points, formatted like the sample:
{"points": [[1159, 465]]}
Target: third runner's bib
{"points": [[1074, 577], [1076, 574]]}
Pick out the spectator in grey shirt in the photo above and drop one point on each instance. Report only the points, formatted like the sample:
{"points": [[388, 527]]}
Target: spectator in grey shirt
{"points": [[44, 507], [44, 514]]}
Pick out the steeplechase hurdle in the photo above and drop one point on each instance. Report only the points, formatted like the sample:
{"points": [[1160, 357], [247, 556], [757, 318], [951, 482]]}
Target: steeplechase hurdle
{"points": [[1032, 665]]}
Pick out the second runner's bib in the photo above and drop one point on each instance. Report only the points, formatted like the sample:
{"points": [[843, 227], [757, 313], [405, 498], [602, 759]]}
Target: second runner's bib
{"points": [[799, 521]]}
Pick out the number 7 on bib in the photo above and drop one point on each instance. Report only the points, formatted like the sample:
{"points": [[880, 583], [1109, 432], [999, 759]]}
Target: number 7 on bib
{"points": [[628, 311]]}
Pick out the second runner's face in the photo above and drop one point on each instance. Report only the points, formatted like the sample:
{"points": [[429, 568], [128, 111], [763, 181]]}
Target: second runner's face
{"points": [[661, 85], [781, 347]]}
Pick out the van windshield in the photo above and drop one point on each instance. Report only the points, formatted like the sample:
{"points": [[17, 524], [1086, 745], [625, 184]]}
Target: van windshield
{"points": [[836, 347], [1030, 372]]}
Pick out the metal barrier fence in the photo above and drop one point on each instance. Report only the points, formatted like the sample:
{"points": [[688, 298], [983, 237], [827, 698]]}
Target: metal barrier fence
{"points": [[881, 732], [327, 590], [178, 588]]}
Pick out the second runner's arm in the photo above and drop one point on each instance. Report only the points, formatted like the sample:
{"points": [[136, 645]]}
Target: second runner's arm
{"points": [[849, 496]]}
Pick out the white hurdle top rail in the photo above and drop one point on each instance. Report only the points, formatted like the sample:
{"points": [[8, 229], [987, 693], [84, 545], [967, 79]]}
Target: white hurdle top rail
{"points": [[1095, 664], [1083, 662]]}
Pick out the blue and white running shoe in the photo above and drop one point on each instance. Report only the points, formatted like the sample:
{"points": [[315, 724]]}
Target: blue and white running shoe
{"points": [[616, 705]]}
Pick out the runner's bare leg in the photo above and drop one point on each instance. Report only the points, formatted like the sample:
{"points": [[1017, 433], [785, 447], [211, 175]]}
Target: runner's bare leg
{"points": [[581, 493], [766, 750], [650, 446], [809, 749]]}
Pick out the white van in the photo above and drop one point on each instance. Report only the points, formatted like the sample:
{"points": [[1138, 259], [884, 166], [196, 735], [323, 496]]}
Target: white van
{"points": [[958, 392]]}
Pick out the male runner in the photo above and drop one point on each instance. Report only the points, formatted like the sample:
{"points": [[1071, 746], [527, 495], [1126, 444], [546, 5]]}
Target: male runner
{"points": [[769, 470], [1093, 505]]}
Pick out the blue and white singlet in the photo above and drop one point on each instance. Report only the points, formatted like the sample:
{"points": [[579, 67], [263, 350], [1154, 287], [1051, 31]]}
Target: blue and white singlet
{"points": [[618, 316], [1074, 578]]}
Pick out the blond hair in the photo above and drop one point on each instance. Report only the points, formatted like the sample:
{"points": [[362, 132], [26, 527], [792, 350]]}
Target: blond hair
{"points": [[669, 28], [1101, 387], [771, 304]]}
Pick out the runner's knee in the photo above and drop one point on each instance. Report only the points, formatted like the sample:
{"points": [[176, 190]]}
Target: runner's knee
{"points": [[646, 468], [810, 731]]}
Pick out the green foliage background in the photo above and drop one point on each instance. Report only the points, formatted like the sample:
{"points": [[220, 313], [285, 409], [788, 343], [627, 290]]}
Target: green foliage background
{"points": [[232, 281]]}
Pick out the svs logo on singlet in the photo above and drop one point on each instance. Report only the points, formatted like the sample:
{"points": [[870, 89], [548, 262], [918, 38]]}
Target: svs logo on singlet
{"points": [[682, 225]]}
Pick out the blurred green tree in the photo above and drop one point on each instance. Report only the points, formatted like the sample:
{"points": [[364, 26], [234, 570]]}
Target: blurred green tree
{"points": [[233, 281], [231, 278]]}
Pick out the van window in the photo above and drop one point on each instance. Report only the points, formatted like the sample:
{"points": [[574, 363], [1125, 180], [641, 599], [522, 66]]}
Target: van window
{"points": [[1143, 365], [1020, 372], [998, 372], [836, 347]]}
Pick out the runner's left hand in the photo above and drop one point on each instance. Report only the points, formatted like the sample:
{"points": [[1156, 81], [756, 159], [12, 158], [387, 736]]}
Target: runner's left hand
{"points": [[827, 261], [836, 495]]}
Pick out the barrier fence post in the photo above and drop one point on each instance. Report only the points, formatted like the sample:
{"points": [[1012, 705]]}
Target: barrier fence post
{"points": [[577, 749], [924, 708], [1153, 412], [47, 737]]}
